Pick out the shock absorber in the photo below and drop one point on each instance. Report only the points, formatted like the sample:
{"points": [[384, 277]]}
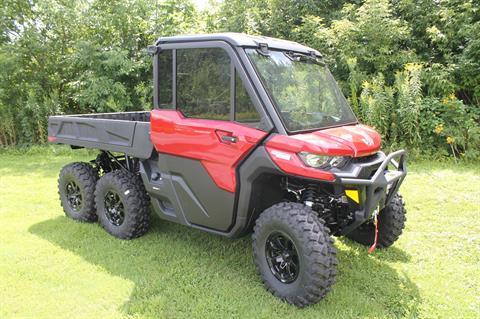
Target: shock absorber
{"points": [[323, 204], [309, 195]]}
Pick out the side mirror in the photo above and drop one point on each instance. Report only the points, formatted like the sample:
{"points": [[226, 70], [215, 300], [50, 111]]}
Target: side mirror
{"points": [[153, 49]]}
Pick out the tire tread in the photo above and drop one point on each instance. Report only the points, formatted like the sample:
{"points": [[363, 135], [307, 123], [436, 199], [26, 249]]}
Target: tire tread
{"points": [[391, 222], [320, 254], [136, 202], [87, 177]]}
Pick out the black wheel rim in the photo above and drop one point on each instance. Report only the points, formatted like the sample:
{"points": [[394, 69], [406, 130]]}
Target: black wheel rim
{"points": [[114, 209], [74, 196], [282, 257]]}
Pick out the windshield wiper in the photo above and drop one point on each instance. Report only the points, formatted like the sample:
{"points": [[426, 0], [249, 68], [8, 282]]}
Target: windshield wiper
{"points": [[299, 57]]}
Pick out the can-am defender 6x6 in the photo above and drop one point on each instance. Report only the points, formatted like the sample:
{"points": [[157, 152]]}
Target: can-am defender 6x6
{"points": [[247, 135]]}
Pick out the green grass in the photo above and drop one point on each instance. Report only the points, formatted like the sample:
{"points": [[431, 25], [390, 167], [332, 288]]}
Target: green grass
{"points": [[53, 267]]}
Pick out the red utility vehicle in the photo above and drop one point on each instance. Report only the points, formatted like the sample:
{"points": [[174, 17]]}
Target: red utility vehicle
{"points": [[247, 135]]}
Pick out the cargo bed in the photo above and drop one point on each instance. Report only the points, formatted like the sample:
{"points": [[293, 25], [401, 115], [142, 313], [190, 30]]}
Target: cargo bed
{"points": [[123, 132]]}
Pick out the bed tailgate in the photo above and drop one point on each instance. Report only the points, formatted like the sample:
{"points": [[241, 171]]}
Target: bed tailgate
{"points": [[130, 137]]}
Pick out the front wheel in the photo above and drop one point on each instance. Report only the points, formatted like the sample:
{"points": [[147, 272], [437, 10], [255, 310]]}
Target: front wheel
{"points": [[294, 253], [391, 222]]}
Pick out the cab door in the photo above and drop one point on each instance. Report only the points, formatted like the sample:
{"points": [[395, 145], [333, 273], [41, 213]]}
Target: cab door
{"points": [[205, 125]]}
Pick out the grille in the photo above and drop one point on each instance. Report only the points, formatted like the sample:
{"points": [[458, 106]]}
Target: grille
{"points": [[367, 170], [365, 159]]}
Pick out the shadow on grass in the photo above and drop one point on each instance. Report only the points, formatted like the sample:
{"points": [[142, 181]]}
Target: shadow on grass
{"points": [[178, 271], [391, 254]]}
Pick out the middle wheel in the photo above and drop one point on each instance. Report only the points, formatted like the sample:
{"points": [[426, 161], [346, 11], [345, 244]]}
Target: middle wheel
{"points": [[122, 204]]}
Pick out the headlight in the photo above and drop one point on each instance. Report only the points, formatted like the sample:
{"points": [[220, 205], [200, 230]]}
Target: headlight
{"points": [[313, 160], [321, 161]]}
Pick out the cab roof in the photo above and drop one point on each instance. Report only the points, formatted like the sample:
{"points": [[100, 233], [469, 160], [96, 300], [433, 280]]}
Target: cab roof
{"points": [[240, 40]]}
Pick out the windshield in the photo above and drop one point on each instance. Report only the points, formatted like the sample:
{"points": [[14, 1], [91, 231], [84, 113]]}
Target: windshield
{"points": [[303, 90]]}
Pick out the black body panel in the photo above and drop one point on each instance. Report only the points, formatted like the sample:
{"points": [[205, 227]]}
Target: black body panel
{"points": [[203, 202], [182, 191], [255, 189], [240, 40], [123, 132]]}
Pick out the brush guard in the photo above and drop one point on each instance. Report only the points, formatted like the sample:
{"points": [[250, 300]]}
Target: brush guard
{"points": [[379, 189]]}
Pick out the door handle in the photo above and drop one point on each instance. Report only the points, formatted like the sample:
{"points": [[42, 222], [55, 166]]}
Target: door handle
{"points": [[229, 138], [226, 137]]}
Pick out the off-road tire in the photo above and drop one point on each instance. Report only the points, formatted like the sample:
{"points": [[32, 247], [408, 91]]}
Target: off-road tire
{"points": [[135, 202], [85, 177], [316, 254], [391, 222]]}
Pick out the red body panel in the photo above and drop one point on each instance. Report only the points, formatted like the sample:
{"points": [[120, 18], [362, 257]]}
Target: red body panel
{"points": [[353, 140], [199, 139]]}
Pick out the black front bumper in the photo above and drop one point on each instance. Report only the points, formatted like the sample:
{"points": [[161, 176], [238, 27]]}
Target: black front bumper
{"points": [[378, 188]]}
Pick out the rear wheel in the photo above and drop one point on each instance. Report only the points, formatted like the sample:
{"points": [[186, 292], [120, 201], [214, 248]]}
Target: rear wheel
{"points": [[391, 222], [294, 253], [76, 187], [122, 204]]}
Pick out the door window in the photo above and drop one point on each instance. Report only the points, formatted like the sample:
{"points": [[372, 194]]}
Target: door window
{"points": [[203, 83]]}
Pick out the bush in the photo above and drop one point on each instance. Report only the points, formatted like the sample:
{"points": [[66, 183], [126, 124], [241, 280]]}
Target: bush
{"points": [[394, 111], [409, 68], [377, 106], [451, 127], [434, 126]]}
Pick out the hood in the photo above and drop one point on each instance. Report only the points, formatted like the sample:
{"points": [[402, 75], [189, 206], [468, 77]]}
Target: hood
{"points": [[351, 140]]}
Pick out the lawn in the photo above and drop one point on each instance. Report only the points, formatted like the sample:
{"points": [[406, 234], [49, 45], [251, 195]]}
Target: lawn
{"points": [[54, 267]]}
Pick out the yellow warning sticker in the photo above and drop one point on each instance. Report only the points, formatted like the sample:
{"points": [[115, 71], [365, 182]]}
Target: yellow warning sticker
{"points": [[353, 194]]}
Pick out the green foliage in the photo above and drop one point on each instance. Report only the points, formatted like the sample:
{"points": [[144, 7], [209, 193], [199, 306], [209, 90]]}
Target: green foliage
{"points": [[454, 126], [396, 61], [409, 98], [405, 117], [78, 57], [377, 101], [394, 111]]}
